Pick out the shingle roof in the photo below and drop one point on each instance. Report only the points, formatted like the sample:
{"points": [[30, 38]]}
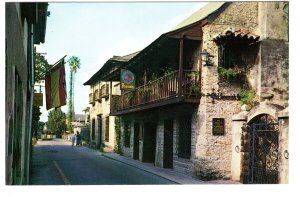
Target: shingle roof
{"points": [[201, 14], [107, 67], [125, 58]]}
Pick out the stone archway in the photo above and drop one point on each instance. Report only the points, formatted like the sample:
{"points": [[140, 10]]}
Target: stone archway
{"points": [[245, 155], [263, 140]]}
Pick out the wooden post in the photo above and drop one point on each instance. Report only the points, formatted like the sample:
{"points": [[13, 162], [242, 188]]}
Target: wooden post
{"points": [[180, 67], [110, 94]]}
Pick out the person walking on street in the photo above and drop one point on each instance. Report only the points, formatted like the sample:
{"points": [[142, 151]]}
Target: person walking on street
{"points": [[78, 139], [72, 138]]}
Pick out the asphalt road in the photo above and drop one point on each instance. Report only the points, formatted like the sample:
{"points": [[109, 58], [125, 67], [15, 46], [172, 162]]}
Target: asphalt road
{"points": [[56, 162]]}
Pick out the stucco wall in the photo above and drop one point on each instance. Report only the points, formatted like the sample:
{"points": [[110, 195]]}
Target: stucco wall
{"points": [[272, 22], [103, 108], [18, 123], [275, 70]]}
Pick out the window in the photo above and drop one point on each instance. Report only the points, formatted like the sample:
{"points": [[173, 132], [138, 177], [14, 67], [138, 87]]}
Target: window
{"points": [[184, 141], [126, 134], [230, 55], [107, 129]]}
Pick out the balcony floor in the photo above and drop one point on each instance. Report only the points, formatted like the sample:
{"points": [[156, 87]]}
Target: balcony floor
{"points": [[155, 104]]}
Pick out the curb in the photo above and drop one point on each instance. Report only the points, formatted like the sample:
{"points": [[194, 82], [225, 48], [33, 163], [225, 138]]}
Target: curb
{"points": [[139, 168]]}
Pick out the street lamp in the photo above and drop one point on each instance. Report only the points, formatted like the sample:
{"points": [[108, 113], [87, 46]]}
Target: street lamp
{"points": [[206, 57]]}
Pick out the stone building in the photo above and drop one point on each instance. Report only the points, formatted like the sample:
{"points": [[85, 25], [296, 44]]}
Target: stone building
{"points": [[211, 96], [25, 25], [102, 125]]}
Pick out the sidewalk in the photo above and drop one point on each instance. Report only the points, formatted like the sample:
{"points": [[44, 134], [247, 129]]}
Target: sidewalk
{"points": [[170, 174]]}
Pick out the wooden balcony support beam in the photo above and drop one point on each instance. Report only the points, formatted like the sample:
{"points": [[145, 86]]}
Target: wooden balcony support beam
{"points": [[180, 66]]}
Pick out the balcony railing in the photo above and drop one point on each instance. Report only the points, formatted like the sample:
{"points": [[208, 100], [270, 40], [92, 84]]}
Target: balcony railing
{"points": [[162, 89], [91, 98]]}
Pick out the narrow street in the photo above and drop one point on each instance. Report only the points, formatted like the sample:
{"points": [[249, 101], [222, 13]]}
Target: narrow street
{"points": [[56, 162]]}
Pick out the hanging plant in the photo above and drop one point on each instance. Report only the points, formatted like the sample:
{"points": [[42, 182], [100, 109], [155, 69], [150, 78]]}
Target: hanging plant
{"points": [[231, 74]]}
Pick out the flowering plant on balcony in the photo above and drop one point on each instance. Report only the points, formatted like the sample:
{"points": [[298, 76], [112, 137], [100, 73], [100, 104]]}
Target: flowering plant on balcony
{"points": [[233, 73]]}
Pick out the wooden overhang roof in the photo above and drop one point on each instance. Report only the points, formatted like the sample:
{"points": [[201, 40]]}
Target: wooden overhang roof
{"points": [[107, 71], [197, 19]]}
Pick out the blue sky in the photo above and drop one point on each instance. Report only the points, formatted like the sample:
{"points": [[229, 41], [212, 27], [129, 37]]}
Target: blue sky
{"points": [[95, 32]]}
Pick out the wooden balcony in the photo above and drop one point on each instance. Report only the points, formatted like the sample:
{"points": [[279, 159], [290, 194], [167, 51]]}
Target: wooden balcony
{"points": [[105, 90], [97, 95], [163, 91], [91, 98]]}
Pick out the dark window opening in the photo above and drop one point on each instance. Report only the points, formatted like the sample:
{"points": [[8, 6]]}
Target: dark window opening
{"points": [[230, 55], [126, 134]]}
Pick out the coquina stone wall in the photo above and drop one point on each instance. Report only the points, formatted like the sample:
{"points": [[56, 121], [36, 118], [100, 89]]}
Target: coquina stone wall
{"points": [[213, 153]]}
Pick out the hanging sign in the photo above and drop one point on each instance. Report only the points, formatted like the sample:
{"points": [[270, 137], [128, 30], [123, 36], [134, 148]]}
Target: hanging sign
{"points": [[218, 126], [127, 80], [38, 99]]}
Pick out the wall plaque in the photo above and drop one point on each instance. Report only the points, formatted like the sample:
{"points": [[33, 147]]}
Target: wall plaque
{"points": [[218, 126]]}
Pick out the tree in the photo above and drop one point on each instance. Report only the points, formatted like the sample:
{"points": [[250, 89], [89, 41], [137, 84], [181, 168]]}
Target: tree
{"points": [[56, 121], [41, 68], [74, 63]]}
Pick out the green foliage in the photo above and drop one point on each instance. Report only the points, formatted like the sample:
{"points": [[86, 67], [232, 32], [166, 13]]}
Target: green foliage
{"points": [[168, 70], [56, 120], [195, 89], [36, 112], [118, 148], [70, 119], [153, 77], [231, 74], [74, 63], [248, 97], [41, 67]]}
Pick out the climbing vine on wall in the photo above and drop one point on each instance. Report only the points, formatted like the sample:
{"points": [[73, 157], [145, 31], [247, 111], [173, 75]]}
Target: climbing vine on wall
{"points": [[118, 148]]}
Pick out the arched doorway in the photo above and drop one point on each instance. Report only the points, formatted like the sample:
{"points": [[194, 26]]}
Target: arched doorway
{"points": [[263, 144]]}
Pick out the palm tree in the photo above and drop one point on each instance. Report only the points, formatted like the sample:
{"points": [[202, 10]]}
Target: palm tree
{"points": [[74, 63]]}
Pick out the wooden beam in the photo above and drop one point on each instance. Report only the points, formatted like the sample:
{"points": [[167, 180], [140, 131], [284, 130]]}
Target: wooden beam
{"points": [[197, 38], [180, 66], [149, 106]]}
